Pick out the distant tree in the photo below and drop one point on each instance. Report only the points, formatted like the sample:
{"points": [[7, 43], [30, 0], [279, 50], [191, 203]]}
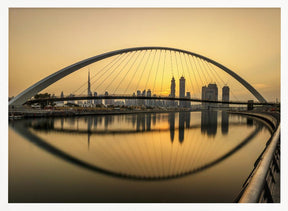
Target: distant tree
{"points": [[43, 96]]}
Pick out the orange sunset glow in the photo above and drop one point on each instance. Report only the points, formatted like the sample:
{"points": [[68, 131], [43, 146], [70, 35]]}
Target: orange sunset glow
{"points": [[45, 40]]}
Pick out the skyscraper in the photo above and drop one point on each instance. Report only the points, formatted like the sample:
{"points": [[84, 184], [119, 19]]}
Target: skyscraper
{"points": [[172, 87], [138, 102], [182, 90], [149, 93], [210, 93], [188, 103], [172, 92], [225, 94]]}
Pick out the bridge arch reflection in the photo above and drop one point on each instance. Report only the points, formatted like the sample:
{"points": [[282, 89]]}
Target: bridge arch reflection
{"points": [[24, 128]]}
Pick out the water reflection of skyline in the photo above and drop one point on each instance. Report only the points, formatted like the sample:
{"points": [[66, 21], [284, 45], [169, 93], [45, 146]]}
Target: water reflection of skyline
{"points": [[142, 122], [143, 157]]}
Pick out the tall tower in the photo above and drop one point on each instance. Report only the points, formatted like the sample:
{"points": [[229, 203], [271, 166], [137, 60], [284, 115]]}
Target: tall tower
{"points": [[172, 87], [172, 91], [182, 90], [225, 94], [209, 93], [188, 103], [213, 92]]}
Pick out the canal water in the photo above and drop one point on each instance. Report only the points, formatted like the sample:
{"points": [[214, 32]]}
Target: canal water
{"points": [[194, 157]]}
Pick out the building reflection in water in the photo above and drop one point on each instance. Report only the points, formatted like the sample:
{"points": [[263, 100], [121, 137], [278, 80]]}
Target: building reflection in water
{"points": [[108, 119], [148, 123], [143, 122], [154, 119], [62, 123], [89, 125], [209, 122], [184, 117], [133, 120], [191, 156], [225, 123], [42, 124], [140, 122], [249, 122], [171, 120]]}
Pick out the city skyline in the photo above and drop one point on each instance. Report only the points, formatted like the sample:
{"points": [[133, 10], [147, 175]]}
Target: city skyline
{"points": [[209, 92], [269, 66]]}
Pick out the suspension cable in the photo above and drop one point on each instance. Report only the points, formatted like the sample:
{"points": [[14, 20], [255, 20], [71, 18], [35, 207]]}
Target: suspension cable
{"points": [[181, 64], [196, 78], [85, 83], [191, 84], [210, 79], [195, 67], [163, 70], [117, 75], [150, 69], [202, 71], [143, 70], [132, 78], [172, 74], [157, 70], [112, 72], [110, 68], [177, 65], [127, 72]]}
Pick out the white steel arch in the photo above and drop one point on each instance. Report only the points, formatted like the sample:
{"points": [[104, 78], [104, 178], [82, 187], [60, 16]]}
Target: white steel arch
{"points": [[42, 84]]}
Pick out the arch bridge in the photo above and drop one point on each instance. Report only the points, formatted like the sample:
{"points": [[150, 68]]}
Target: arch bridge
{"points": [[42, 84]]}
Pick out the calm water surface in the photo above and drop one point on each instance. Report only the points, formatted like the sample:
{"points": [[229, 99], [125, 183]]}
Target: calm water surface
{"points": [[155, 157]]}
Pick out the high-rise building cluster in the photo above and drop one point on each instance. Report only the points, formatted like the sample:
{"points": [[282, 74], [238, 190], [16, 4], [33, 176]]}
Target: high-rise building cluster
{"points": [[182, 104], [210, 92], [162, 103], [144, 102]]}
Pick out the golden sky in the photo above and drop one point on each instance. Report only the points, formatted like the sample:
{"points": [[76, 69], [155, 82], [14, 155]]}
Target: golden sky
{"points": [[43, 41]]}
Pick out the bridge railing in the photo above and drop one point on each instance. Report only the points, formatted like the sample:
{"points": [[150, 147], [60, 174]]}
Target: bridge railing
{"points": [[260, 186]]}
